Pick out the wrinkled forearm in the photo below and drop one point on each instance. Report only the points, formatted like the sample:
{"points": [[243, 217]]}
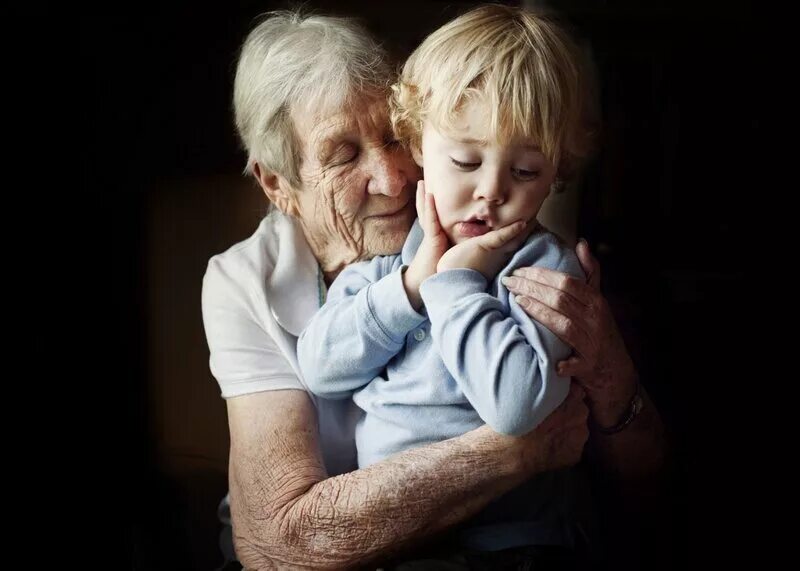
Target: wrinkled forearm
{"points": [[371, 513]]}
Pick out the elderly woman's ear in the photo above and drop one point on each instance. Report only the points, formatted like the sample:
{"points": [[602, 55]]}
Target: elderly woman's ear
{"points": [[276, 188]]}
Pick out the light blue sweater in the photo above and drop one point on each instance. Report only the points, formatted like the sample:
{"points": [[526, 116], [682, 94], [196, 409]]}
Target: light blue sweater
{"points": [[473, 357]]}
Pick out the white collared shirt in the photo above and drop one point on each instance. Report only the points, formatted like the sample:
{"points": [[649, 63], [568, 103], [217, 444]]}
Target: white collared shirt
{"points": [[257, 298]]}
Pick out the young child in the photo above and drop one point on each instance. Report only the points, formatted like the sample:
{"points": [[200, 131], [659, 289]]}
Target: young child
{"points": [[429, 343]]}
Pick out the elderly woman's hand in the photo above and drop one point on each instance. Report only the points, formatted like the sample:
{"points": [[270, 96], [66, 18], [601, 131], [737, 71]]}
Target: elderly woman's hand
{"points": [[559, 440], [579, 315]]}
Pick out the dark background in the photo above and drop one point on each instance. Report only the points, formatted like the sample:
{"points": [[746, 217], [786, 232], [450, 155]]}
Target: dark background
{"points": [[663, 207]]}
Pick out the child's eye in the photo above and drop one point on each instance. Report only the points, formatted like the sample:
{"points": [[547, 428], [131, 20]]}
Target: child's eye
{"points": [[523, 174], [465, 166]]}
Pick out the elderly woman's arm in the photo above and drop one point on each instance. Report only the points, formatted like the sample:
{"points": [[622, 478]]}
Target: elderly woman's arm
{"points": [[287, 514]]}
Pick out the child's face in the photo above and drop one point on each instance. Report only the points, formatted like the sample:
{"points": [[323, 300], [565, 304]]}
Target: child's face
{"points": [[478, 184]]}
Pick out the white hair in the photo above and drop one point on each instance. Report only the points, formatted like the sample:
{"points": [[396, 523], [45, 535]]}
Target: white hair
{"points": [[294, 61]]}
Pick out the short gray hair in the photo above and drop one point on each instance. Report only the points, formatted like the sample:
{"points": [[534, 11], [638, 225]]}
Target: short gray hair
{"points": [[292, 60]]}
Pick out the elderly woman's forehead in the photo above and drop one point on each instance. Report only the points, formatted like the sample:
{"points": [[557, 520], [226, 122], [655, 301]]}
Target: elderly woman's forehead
{"points": [[367, 116]]}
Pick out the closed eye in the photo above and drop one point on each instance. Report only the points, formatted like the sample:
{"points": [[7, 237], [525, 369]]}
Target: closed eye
{"points": [[522, 174], [465, 166], [390, 142], [344, 154]]}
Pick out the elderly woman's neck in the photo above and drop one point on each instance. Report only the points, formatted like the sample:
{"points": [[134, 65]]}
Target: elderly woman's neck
{"points": [[331, 255], [330, 276]]}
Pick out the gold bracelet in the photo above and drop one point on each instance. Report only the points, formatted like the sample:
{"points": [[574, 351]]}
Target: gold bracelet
{"points": [[634, 408]]}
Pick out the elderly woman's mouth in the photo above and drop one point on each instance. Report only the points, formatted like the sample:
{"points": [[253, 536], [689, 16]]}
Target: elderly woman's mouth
{"points": [[394, 212]]}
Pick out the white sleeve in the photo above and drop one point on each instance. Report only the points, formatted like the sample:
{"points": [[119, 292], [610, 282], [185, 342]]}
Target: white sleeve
{"points": [[244, 357]]}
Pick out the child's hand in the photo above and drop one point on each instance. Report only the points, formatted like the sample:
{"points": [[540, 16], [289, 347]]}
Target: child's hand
{"points": [[434, 244], [488, 253]]}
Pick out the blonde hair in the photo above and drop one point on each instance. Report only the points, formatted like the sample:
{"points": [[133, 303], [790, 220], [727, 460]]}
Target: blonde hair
{"points": [[316, 64], [522, 65]]}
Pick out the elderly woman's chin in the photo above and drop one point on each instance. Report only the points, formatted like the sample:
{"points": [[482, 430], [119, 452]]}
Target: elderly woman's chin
{"points": [[385, 233]]}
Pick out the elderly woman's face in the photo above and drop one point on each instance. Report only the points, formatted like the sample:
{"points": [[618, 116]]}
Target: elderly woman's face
{"points": [[357, 193]]}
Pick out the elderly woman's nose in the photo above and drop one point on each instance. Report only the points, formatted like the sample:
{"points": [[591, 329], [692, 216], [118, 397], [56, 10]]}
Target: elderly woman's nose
{"points": [[387, 175]]}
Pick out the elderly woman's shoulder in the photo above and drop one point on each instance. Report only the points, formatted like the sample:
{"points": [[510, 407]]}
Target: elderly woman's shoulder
{"points": [[246, 264], [258, 255], [248, 249], [276, 255]]}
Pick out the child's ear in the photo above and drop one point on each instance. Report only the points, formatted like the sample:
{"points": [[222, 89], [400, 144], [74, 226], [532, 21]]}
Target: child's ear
{"points": [[416, 154], [557, 186]]}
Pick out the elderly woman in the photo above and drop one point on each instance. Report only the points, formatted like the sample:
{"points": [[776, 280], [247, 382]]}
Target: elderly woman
{"points": [[310, 101]]}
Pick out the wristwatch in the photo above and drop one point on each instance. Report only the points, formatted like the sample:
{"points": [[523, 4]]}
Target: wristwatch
{"points": [[634, 408]]}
